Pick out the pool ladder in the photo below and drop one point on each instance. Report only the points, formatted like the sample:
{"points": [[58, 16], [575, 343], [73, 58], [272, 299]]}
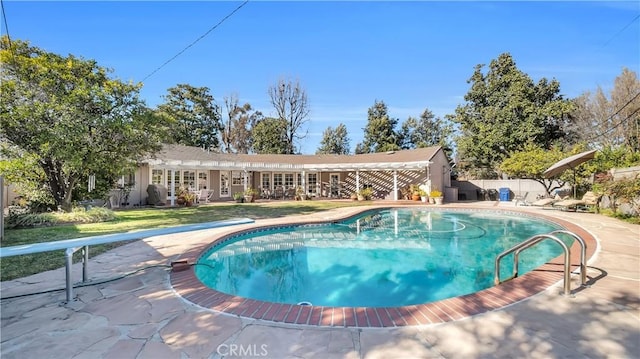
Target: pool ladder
{"points": [[567, 257]]}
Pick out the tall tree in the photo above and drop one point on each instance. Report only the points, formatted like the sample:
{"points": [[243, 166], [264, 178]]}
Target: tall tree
{"points": [[335, 141], [236, 133], [70, 118], [426, 131], [610, 121], [504, 109], [379, 134], [289, 100], [269, 136], [194, 114]]}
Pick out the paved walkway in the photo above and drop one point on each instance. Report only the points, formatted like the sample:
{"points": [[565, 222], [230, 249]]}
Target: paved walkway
{"points": [[140, 316]]}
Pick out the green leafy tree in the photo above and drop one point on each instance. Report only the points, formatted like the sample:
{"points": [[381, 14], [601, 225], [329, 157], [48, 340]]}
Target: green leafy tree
{"points": [[426, 131], [289, 100], [335, 141], [194, 116], [379, 134], [505, 109], [68, 117], [270, 137]]}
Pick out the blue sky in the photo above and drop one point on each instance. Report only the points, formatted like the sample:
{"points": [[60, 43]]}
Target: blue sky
{"points": [[411, 55]]}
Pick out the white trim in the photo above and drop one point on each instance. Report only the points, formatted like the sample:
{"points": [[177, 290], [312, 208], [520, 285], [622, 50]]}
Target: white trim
{"points": [[287, 167]]}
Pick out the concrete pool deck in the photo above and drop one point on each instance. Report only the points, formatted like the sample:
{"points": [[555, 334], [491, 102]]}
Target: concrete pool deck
{"points": [[141, 316]]}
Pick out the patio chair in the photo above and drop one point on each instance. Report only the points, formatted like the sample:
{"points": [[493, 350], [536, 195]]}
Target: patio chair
{"points": [[589, 199], [289, 193], [546, 202], [278, 193], [522, 199], [266, 193], [205, 195]]}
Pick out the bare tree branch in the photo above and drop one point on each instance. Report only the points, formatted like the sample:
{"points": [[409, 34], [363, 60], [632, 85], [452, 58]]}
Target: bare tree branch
{"points": [[290, 103]]}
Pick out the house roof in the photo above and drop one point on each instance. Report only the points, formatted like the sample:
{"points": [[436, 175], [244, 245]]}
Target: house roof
{"points": [[179, 156]]}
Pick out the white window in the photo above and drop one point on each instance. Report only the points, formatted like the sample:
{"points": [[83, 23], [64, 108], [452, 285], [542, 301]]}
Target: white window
{"points": [[157, 177], [224, 183], [236, 178], [202, 180], [312, 182], [277, 179], [288, 180], [128, 180], [176, 179], [266, 180], [188, 179]]}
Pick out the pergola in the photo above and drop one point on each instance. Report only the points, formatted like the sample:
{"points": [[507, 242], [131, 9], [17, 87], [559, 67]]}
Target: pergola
{"points": [[302, 168]]}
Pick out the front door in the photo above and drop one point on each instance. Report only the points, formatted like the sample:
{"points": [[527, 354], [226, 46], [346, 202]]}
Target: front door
{"points": [[224, 184], [334, 185]]}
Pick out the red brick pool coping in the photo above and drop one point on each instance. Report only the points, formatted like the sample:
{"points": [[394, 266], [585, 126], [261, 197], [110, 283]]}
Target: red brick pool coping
{"points": [[187, 285]]}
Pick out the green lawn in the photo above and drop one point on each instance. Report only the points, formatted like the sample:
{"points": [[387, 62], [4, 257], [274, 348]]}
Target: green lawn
{"points": [[127, 220]]}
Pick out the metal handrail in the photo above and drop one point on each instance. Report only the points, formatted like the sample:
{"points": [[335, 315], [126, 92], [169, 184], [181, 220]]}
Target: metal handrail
{"points": [[583, 254], [537, 239], [73, 245]]}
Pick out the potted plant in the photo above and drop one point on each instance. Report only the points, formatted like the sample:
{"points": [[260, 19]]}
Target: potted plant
{"points": [[365, 194], [354, 196], [423, 195], [238, 197], [415, 192], [250, 195], [189, 199], [184, 197], [300, 195], [436, 195]]}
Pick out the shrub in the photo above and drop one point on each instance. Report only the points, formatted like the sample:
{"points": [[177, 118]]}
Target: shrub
{"points": [[22, 218]]}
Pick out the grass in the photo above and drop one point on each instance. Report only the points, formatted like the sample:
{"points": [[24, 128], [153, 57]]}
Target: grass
{"points": [[135, 219]]}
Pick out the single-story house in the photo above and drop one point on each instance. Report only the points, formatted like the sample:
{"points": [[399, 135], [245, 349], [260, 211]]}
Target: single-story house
{"points": [[322, 176], [326, 176]]}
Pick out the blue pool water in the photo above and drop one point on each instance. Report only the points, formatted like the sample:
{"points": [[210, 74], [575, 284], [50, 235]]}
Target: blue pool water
{"points": [[391, 257]]}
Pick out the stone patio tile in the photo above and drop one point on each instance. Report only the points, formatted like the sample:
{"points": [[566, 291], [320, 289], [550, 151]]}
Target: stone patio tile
{"points": [[318, 343], [271, 341], [406, 343], [47, 321], [158, 350], [125, 285], [198, 334], [123, 309], [57, 345], [144, 331], [126, 348], [164, 303]]}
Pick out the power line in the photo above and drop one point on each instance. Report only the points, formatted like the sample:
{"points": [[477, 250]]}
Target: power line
{"points": [[619, 32], [196, 40], [619, 123], [6, 24]]}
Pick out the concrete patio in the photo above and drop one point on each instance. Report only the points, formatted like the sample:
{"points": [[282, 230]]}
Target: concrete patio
{"points": [[140, 316]]}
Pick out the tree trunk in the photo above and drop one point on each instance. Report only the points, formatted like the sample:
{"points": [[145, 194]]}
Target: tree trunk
{"points": [[59, 187]]}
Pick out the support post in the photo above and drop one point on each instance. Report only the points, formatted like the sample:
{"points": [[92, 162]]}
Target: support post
{"points": [[85, 264], [68, 253], [395, 185], [173, 188]]}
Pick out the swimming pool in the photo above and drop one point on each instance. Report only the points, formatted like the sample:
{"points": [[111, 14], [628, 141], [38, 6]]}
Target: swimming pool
{"points": [[384, 258]]}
